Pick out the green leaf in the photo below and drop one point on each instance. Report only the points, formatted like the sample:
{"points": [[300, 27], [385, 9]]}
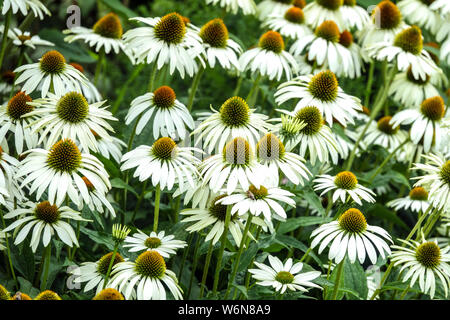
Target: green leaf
{"points": [[294, 223], [382, 212], [120, 184], [27, 287], [355, 279], [99, 237], [119, 8], [314, 201]]}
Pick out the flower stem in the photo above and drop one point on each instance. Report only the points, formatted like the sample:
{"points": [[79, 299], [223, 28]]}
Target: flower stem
{"points": [[194, 87], [247, 277], [98, 69], [380, 167], [206, 268], [124, 88], [111, 262], [156, 212], [223, 241], [405, 292], [194, 265], [338, 279], [151, 82], [185, 253], [48, 254], [369, 83], [251, 98], [139, 202], [238, 85], [5, 36], [238, 257], [8, 252]]}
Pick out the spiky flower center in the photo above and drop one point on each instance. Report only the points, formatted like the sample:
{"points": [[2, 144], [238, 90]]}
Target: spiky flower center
{"points": [[353, 221], [419, 81], [290, 126], [299, 3], [164, 97], [384, 126], [270, 148], [48, 295], [77, 66], [433, 108], [295, 15], [152, 242], [4, 294], [312, 117], [218, 210], [163, 148], [21, 296], [88, 184], [256, 193], [109, 26], [215, 33], [23, 38], [429, 254], [324, 86], [329, 31], [109, 294], [46, 212], [18, 106], [418, 193], [345, 180], [150, 264], [427, 2], [52, 62], [235, 112], [272, 41], [284, 277], [103, 263], [331, 4], [8, 76], [410, 40], [386, 15], [445, 172], [350, 3], [346, 38], [237, 152], [171, 28], [73, 107], [64, 156]]}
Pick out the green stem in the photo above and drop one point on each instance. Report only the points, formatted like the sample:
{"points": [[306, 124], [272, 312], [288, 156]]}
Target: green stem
{"points": [[194, 266], [124, 88], [338, 280], [176, 209], [223, 241], [247, 277], [238, 257], [151, 82], [111, 262], [139, 202], [380, 167], [206, 268], [5, 36], [8, 252], [238, 85], [78, 238], [48, 254], [404, 292], [98, 69], [431, 224], [252, 94], [382, 96], [194, 88], [369, 83], [185, 253], [156, 212]]}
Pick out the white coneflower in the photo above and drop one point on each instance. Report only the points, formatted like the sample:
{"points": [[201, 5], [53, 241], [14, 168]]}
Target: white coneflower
{"points": [[166, 41], [416, 201], [234, 119], [214, 215], [419, 12], [95, 199], [269, 58], [109, 147], [105, 34], [307, 66], [148, 273], [346, 40], [198, 195], [383, 133], [235, 165], [321, 90], [45, 219], [70, 116], [271, 153], [268, 7], [290, 24], [94, 273], [285, 276], [424, 261], [12, 120], [25, 6], [319, 11], [426, 122], [218, 46], [247, 6], [23, 38], [323, 46], [8, 167], [354, 16], [90, 92], [344, 184], [409, 91], [386, 22], [442, 6], [165, 245], [316, 137], [58, 169], [168, 116], [407, 51], [436, 180], [163, 163], [51, 73], [351, 236]]}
